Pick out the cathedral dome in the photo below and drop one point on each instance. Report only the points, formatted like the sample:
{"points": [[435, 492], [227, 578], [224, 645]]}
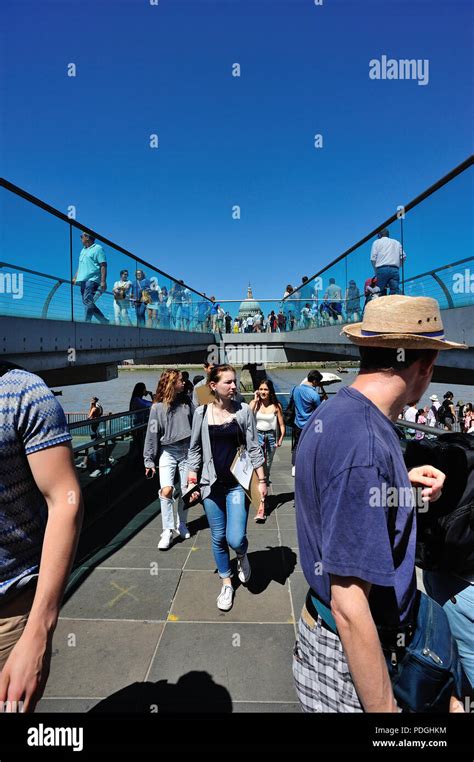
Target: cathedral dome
{"points": [[249, 306]]}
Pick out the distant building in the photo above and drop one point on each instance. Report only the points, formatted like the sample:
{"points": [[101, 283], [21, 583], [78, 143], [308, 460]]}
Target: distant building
{"points": [[249, 307]]}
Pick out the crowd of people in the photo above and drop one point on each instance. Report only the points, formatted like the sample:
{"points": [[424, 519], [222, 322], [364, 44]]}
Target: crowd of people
{"points": [[143, 302], [443, 415], [358, 560]]}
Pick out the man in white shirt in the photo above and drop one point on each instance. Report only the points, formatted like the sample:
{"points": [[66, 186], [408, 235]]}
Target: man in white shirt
{"points": [[387, 256], [122, 290]]}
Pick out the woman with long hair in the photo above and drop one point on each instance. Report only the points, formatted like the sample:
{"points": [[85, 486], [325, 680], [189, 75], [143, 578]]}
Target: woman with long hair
{"points": [[269, 418], [219, 429], [166, 444]]}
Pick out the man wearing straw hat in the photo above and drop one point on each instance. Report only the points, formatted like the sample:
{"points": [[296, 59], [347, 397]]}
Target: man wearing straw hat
{"points": [[362, 576]]}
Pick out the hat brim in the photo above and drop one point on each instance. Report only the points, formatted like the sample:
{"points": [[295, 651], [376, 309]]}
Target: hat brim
{"points": [[397, 340]]}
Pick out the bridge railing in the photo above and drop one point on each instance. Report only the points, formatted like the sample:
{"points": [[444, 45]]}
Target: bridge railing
{"points": [[35, 235], [434, 230]]}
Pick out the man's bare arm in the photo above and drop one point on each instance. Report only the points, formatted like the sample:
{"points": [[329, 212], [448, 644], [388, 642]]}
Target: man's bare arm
{"points": [[26, 670], [360, 640]]}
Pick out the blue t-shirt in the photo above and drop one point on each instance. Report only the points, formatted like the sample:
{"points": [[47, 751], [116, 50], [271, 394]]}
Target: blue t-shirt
{"points": [[30, 420], [90, 260], [306, 401], [349, 475]]}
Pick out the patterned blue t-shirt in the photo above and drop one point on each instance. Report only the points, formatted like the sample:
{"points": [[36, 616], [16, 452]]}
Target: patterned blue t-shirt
{"points": [[30, 420]]}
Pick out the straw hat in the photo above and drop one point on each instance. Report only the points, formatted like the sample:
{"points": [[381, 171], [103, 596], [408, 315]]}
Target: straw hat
{"points": [[434, 398], [401, 322]]}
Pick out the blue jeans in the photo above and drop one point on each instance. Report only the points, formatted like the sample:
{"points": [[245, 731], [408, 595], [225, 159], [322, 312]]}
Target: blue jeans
{"points": [[456, 596], [388, 277], [267, 442], [140, 309], [88, 290], [227, 510]]}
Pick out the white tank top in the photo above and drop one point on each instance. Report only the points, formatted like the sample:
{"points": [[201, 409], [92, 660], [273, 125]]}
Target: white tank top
{"points": [[266, 421]]}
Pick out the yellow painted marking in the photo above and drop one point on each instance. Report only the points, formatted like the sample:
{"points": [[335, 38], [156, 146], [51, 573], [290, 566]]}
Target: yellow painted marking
{"points": [[123, 591], [173, 618]]}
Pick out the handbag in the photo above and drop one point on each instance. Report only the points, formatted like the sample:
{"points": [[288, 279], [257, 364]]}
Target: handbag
{"points": [[426, 671]]}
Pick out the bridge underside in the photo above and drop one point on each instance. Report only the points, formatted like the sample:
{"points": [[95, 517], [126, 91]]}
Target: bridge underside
{"points": [[65, 353], [72, 353]]}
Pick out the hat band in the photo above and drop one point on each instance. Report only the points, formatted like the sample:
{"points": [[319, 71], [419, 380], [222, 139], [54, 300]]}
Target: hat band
{"points": [[429, 334]]}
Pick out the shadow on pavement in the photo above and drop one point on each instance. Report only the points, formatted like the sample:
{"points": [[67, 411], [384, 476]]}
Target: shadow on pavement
{"points": [[195, 692]]}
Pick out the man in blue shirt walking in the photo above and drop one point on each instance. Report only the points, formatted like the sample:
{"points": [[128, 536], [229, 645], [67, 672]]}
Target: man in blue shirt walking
{"points": [[306, 400], [355, 512], [91, 275]]}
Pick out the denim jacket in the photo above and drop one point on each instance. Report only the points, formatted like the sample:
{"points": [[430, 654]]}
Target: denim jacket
{"points": [[200, 453]]}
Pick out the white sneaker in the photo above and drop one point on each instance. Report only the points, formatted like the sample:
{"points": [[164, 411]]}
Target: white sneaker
{"points": [[293, 470], [95, 473], [166, 538], [225, 598], [183, 531], [243, 569]]}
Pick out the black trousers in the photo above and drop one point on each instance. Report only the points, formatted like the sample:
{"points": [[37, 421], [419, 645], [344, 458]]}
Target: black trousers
{"points": [[295, 436]]}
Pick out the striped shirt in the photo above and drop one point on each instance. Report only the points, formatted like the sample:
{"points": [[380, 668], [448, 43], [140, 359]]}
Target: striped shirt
{"points": [[30, 420]]}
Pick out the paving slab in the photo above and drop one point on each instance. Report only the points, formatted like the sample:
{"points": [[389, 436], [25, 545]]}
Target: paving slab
{"points": [[227, 653], [123, 594], [102, 656], [263, 599]]}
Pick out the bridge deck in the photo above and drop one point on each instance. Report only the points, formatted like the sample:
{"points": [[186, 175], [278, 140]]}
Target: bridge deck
{"points": [[132, 640]]}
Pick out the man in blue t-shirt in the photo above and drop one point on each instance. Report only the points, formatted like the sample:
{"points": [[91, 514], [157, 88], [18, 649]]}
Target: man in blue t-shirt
{"points": [[40, 521], [355, 511], [91, 276], [306, 400]]}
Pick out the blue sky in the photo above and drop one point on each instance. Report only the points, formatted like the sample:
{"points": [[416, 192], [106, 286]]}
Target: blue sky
{"points": [[224, 140]]}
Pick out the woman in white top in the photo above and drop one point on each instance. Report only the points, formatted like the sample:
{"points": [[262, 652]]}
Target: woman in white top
{"points": [[270, 428]]}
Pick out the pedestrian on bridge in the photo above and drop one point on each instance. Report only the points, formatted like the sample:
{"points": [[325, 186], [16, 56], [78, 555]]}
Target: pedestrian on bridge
{"points": [[219, 430], [166, 445], [387, 257], [91, 275], [40, 521], [357, 549]]}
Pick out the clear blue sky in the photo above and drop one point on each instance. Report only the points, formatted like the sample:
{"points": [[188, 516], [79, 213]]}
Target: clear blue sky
{"points": [[166, 69]]}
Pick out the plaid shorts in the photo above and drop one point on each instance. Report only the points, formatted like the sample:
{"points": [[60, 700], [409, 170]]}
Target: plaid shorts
{"points": [[322, 677]]}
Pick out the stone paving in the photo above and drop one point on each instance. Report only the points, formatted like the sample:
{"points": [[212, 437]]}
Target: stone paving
{"points": [[142, 632]]}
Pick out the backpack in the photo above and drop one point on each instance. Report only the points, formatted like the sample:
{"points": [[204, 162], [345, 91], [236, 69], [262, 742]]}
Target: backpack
{"points": [[445, 532], [443, 413], [290, 411]]}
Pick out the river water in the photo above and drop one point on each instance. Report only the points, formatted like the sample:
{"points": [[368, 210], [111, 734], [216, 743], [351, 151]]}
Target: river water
{"points": [[115, 395]]}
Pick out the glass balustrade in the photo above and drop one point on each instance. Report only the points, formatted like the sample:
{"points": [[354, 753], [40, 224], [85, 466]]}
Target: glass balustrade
{"points": [[437, 237], [35, 237]]}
